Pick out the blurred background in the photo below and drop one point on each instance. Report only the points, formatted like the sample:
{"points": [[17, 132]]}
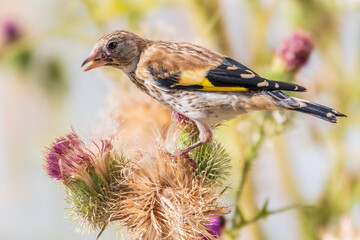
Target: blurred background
{"points": [[43, 92]]}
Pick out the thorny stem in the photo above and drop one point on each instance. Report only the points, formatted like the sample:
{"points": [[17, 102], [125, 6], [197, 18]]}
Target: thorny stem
{"points": [[105, 225], [102, 230], [263, 214]]}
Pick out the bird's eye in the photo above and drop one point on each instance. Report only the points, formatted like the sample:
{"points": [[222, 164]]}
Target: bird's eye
{"points": [[112, 45]]}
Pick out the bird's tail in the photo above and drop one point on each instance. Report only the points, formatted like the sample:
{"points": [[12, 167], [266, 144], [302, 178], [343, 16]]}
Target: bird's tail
{"points": [[317, 110]]}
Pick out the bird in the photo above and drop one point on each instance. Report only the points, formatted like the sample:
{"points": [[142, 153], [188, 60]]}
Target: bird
{"points": [[200, 84]]}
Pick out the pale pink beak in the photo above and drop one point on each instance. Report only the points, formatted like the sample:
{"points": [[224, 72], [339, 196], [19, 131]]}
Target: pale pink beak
{"points": [[95, 59]]}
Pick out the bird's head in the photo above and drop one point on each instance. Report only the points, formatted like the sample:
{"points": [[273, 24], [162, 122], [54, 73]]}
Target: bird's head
{"points": [[120, 49]]}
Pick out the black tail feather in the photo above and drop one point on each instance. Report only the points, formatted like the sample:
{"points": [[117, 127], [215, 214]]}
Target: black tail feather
{"points": [[320, 111], [317, 110]]}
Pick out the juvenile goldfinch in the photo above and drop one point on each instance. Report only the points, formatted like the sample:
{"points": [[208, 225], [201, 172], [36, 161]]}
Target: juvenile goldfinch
{"points": [[198, 83]]}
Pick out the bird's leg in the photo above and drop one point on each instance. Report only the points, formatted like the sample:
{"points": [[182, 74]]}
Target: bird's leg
{"points": [[205, 135]]}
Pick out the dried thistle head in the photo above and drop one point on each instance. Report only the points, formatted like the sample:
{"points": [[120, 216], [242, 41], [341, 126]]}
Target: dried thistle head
{"points": [[166, 200]]}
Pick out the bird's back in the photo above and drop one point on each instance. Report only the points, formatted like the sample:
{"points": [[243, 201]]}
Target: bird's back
{"points": [[176, 56]]}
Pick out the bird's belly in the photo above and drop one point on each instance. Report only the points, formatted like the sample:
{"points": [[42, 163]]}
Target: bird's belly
{"points": [[208, 107]]}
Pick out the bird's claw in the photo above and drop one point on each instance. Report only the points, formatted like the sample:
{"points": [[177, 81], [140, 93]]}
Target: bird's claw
{"points": [[185, 155], [192, 162]]}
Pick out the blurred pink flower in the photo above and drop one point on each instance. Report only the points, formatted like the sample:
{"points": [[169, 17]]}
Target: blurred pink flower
{"points": [[10, 31], [295, 50]]}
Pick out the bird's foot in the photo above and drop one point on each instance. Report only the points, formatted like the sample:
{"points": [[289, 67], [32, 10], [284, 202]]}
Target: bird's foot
{"points": [[192, 162], [183, 119], [184, 154]]}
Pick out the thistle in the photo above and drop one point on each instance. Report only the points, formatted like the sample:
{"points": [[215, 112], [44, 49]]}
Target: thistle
{"points": [[66, 157], [294, 52], [166, 201], [158, 196], [216, 226], [92, 175], [212, 160], [10, 32]]}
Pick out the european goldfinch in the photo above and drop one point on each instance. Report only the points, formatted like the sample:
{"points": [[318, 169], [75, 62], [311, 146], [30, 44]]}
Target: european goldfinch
{"points": [[198, 83]]}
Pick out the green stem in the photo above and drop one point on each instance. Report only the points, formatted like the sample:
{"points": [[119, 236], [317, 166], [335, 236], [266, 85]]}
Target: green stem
{"points": [[261, 215], [238, 219], [252, 154], [211, 16]]}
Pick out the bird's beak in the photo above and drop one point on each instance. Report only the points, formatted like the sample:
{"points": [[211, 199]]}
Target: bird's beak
{"points": [[95, 59]]}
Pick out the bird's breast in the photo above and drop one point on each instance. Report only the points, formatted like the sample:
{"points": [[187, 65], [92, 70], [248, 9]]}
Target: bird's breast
{"points": [[210, 108], [139, 83], [207, 107]]}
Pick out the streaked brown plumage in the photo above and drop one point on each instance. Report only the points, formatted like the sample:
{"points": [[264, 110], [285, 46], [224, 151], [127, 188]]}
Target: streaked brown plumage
{"points": [[198, 83]]}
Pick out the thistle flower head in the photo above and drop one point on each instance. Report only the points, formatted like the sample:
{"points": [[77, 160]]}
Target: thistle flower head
{"points": [[167, 201], [92, 174], [66, 156], [294, 51], [10, 31], [216, 226]]}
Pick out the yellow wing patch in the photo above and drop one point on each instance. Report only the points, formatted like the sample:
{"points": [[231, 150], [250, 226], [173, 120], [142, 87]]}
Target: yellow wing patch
{"points": [[197, 77], [208, 86], [192, 77]]}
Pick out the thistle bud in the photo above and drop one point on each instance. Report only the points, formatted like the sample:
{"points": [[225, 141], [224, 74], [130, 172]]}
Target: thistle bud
{"points": [[211, 158], [92, 174], [294, 51]]}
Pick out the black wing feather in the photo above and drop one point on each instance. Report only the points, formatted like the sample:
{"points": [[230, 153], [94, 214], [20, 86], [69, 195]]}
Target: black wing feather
{"points": [[230, 74]]}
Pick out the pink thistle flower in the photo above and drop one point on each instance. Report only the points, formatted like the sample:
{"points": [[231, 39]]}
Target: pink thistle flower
{"points": [[216, 226], [66, 155], [92, 172], [10, 31], [295, 51]]}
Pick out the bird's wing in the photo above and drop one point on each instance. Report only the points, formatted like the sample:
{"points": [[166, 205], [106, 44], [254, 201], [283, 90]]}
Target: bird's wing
{"points": [[228, 75]]}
